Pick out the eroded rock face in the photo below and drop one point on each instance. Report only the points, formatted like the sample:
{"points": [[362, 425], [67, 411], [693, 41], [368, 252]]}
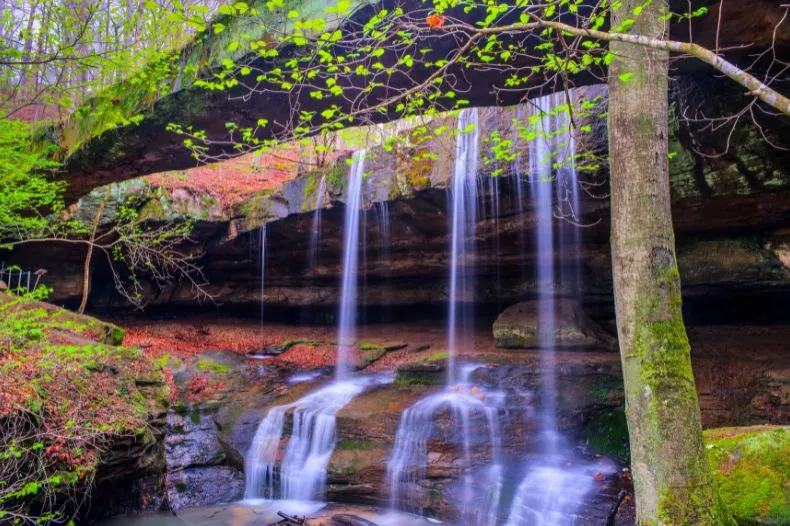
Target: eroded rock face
{"points": [[731, 210], [204, 486], [519, 327], [207, 439], [192, 441]]}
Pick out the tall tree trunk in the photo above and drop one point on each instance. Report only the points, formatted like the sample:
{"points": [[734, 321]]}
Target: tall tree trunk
{"points": [[28, 47], [672, 479], [86, 269]]}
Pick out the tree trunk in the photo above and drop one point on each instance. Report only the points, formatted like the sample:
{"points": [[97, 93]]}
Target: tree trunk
{"points": [[86, 269], [672, 479]]}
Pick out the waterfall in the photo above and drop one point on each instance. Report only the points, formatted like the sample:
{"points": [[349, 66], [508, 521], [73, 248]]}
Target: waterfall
{"points": [[475, 423], [474, 412], [549, 496], [348, 291], [541, 160], [550, 493], [518, 174], [301, 474], [462, 228], [302, 471]]}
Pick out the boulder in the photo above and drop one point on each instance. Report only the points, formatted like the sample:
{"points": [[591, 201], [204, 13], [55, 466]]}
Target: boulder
{"points": [[429, 372], [204, 486], [751, 466], [191, 441], [518, 327]]}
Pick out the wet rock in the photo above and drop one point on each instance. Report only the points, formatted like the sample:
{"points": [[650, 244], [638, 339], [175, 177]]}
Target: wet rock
{"points": [[518, 327], [204, 486], [346, 519], [751, 466], [432, 372], [192, 440]]}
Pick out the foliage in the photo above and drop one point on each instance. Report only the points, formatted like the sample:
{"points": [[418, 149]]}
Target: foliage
{"points": [[32, 210], [63, 398], [25, 193], [349, 66], [54, 54]]}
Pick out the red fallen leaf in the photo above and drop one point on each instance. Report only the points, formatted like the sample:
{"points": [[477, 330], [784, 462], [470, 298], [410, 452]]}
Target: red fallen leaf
{"points": [[599, 476], [435, 21]]}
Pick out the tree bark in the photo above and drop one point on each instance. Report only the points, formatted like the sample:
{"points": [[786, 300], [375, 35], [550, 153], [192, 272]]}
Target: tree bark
{"points": [[86, 270], [672, 479]]}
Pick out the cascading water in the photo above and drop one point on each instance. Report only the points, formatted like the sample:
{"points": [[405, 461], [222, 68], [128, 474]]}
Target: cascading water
{"points": [[551, 492], [301, 473], [474, 413], [476, 427], [348, 291], [541, 158], [462, 244]]}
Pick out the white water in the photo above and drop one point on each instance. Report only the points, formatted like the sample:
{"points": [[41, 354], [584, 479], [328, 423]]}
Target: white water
{"points": [[473, 412], [474, 423], [541, 157], [462, 247], [385, 254], [550, 494], [301, 473], [348, 293]]}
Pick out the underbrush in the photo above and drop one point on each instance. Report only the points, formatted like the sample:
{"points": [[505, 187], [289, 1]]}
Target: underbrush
{"points": [[64, 396]]}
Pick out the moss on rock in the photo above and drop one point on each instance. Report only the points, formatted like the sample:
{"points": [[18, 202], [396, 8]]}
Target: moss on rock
{"points": [[607, 434], [751, 466], [210, 366]]}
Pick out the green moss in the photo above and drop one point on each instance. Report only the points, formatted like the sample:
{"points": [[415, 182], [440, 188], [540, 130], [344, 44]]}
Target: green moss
{"points": [[114, 335], [418, 170], [194, 417], [435, 357], [179, 407], [210, 366], [365, 346], [350, 444], [168, 360], [404, 378], [607, 435], [752, 471], [153, 210], [604, 384], [309, 190], [336, 176], [366, 358]]}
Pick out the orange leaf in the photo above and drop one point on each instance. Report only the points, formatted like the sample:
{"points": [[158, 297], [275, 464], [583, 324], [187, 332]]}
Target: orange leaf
{"points": [[435, 21]]}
